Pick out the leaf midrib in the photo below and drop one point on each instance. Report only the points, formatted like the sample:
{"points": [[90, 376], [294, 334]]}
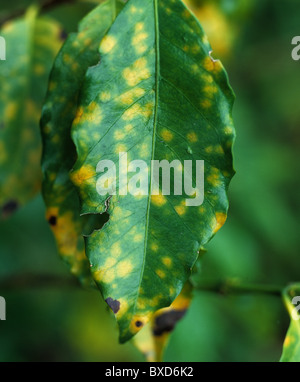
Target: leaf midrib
{"points": [[157, 73]]}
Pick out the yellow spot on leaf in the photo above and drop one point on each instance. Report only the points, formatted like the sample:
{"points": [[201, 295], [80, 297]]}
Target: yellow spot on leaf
{"points": [[288, 340], [78, 116], [228, 130], [64, 231], [132, 95], [105, 276], [123, 307], [161, 274], [206, 104], [109, 263], [119, 134], [181, 210], [137, 73], [133, 9], [85, 173], [214, 180], [192, 137], [138, 238], [132, 112], [105, 96], [167, 261], [219, 149], [139, 27], [116, 249], [207, 78], [220, 221], [141, 48], [141, 304], [107, 44], [158, 200], [167, 135], [208, 64], [154, 247], [210, 90], [148, 110], [124, 268], [128, 127], [138, 38], [121, 148]]}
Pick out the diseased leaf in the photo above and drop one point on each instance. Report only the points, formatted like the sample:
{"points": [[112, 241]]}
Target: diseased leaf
{"points": [[153, 338], [63, 210], [31, 45], [156, 94], [291, 346]]}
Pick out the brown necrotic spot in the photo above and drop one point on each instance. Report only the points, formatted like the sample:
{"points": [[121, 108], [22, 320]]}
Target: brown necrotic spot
{"points": [[52, 220], [167, 321], [113, 304], [9, 208], [138, 324]]}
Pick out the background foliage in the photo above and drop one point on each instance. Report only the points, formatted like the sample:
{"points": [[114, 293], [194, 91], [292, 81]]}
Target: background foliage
{"points": [[258, 244]]}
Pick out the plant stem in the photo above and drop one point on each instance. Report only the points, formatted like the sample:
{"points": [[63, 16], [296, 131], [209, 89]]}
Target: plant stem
{"points": [[233, 286]]}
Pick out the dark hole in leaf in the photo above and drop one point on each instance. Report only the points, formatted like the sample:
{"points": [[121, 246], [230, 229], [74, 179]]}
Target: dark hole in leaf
{"points": [[52, 220], [9, 208], [138, 324], [113, 304], [167, 321], [94, 222]]}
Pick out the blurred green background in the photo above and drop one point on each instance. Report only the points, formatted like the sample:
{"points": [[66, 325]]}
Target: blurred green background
{"points": [[258, 244]]}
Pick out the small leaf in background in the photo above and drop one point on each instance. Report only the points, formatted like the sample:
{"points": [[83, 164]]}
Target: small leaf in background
{"points": [[31, 45], [153, 338], [291, 346], [63, 210], [156, 94], [223, 22]]}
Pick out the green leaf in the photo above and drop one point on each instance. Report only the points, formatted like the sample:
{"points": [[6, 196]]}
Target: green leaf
{"points": [[156, 94], [291, 346], [154, 337], [31, 45], [63, 210]]}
